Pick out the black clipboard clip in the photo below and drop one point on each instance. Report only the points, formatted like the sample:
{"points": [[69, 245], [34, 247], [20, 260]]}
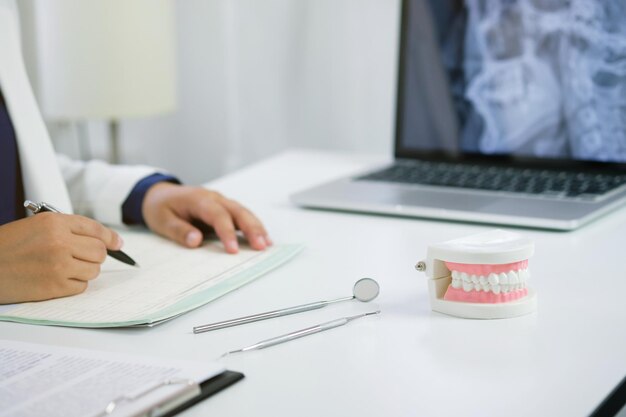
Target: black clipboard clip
{"points": [[177, 401]]}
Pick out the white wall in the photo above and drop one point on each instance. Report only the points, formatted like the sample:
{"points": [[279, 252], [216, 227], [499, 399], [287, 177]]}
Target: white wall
{"points": [[256, 77]]}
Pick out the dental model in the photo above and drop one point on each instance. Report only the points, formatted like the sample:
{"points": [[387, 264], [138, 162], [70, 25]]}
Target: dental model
{"points": [[483, 276]]}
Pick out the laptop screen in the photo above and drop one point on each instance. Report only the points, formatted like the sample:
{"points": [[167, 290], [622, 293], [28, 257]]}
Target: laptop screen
{"points": [[532, 80]]}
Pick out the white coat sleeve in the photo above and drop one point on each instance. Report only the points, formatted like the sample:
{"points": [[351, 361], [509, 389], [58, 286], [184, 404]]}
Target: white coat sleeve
{"points": [[98, 189]]}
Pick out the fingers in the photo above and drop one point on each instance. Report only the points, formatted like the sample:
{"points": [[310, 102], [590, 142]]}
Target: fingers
{"points": [[220, 219], [179, 230], [249, 224], [226, 216], [169, 210], [83, 271], [89, 249], [73, 287], [71, 279], [84, 226], [50, 255]]}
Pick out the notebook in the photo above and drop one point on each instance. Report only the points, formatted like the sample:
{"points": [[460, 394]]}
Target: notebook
{"points": [[170, 281], [508, 112]]}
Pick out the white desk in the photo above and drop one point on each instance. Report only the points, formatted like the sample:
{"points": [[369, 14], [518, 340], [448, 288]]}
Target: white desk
{"points": [[560, 361]]}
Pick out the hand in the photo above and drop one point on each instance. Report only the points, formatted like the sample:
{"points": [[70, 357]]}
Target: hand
{"points": [[168, 209], [51, 255]]}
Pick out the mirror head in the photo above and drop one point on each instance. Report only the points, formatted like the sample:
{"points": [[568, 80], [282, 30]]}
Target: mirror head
{"points": [[366, 289]]}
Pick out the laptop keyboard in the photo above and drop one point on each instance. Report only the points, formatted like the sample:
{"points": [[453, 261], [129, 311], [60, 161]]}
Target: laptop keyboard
{"points": [[550, 183]]}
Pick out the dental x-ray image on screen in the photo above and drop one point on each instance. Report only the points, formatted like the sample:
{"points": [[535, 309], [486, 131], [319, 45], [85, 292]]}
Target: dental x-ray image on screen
{"points": [[507, 112], [530, 78]]}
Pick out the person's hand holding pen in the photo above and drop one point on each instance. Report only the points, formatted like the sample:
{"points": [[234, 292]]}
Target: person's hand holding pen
{"points": [[51, 255]]}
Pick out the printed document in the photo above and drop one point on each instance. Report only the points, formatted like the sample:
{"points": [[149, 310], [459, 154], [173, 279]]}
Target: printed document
{"points": [[39, 380]]}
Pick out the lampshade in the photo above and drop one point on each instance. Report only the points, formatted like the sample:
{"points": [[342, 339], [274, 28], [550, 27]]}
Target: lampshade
{"points": [[105, 59]]}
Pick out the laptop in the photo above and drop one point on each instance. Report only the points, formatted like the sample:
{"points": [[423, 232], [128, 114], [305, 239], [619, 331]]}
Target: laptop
{"points": [[508, 112]]}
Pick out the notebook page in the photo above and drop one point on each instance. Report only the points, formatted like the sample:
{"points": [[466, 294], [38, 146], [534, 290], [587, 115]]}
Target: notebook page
{"points": [[168, 276], [38, 380]]}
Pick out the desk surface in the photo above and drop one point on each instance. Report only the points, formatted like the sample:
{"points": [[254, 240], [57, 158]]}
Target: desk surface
{"points": [[407, 361]]}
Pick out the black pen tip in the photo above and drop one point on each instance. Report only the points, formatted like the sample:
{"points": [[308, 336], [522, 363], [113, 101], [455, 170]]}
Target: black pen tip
{"points": [[122, 257]]}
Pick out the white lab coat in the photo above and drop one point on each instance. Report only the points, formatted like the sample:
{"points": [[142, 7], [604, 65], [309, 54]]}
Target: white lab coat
{"points": [[94, 188]]}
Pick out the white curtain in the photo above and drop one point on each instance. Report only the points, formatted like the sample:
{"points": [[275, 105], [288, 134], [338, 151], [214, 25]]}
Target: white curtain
{"points": [[256, 77]]}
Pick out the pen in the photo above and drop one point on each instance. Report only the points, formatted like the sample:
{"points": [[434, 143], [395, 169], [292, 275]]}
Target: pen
{"points": [[41, 207]]}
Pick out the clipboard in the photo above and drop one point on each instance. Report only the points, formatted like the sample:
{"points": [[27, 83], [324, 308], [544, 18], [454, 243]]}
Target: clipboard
{"points": [[207, 389], [139, 386]]}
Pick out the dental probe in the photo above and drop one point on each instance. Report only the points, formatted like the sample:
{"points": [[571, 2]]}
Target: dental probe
{"points": [[301, 333], [365, 289]]}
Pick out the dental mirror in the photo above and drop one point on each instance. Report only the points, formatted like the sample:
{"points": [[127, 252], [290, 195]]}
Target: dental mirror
{"points": [[364, 290]]}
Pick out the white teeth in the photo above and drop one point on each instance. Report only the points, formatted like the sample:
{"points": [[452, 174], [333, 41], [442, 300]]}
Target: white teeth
{"points": [[523, 275], [496, 283], [513, 281], [456, 279]]}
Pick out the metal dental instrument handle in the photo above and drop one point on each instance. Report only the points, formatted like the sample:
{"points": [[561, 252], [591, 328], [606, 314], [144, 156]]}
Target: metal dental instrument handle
{"points": [[365, 289], [266, 315], [301, 333]]}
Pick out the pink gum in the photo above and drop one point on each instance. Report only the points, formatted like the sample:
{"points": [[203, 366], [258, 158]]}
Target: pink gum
{"points": [[485, 269], [487, 297]]}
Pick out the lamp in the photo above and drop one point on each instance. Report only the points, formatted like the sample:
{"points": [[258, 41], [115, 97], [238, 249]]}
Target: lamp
{"points": [[105, 59]]}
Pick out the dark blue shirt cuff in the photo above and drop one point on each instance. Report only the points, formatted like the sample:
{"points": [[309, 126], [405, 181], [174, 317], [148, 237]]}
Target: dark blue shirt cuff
{"points": [[131, 209]]}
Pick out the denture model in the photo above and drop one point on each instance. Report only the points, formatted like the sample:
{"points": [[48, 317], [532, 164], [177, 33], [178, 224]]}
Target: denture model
{"points": [[482, 276]]}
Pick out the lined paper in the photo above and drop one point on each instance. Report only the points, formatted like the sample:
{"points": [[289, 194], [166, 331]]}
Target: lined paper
{"points": [[170, 281]]}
